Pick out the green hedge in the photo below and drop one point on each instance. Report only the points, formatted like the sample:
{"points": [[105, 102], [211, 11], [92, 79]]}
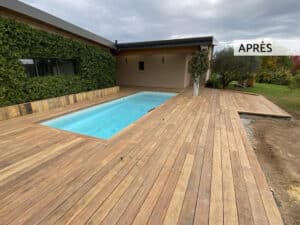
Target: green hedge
{"points": [[96, 66], [280, 76], [214, 82], [295, 82]]}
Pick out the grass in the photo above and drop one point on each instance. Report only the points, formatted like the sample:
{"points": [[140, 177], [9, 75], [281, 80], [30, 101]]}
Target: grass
{"points": [[283, 96]]}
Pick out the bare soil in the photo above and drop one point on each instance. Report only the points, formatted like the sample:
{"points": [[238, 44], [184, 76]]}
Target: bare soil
{"points": [[277, 146]]}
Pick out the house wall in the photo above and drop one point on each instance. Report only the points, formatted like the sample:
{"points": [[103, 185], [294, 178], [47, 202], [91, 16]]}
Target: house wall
{"points": [[172, 73], [161, 70]]}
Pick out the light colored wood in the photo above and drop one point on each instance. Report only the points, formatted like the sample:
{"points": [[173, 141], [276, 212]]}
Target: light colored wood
{"points": [[156, 174], [150, 178], [196, 147], [84, 206], [45, 105], [216, 196], [173, 212], [203, 203], [229, 201], [189, 161], [163, 201], [33, 161], [271, 209], [258, 211]]}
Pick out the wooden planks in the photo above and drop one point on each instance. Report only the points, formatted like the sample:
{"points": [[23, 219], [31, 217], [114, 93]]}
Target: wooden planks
{"points": [[187, 162], [230, 216], [173, 212], [13, 111]]}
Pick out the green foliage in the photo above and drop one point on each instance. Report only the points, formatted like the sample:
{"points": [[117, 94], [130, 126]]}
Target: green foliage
{"points": [[17, 40], [275, 70], [275, 62], [199, 63], [232, 67], [295, 82], [280, 76], [213, 82], [53, 86]]}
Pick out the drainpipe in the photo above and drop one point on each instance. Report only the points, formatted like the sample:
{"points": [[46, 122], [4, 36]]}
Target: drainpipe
{"points": [[210, 54]]}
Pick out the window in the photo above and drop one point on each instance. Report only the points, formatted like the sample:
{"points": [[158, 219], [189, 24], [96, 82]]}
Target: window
{"points": [[66, 67], [141, 66], [29, 67], [46, 67]]}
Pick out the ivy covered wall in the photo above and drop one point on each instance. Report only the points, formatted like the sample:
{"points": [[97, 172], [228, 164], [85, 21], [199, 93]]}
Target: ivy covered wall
{"points": [[96, 66]]}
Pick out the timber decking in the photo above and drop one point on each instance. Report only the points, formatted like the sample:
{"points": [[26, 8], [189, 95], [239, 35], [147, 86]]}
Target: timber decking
{"points": [[188, 161]]}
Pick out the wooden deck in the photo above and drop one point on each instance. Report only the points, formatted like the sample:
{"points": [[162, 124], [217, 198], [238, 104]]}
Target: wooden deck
{"points": [[186, 162]]}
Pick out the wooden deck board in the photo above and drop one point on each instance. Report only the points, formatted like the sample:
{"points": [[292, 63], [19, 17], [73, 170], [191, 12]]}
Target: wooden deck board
{"points": [[187, 162]]}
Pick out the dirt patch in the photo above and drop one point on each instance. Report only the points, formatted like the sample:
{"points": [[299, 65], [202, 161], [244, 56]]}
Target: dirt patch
{"points": [[277, 146]]}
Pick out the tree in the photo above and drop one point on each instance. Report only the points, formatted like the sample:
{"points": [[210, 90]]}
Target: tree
{"points": [[198, 65], [275, 70], [272, 63], [231, 67]]}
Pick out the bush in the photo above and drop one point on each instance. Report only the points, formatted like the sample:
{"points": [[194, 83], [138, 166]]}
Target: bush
{"points": [[275, 70], [280, 76], [295, 82], [213, 82], [276, 62], [232, 67], [96, 65]]}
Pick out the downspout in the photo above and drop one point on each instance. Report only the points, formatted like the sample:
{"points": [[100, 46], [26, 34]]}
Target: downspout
{"points": [[210, 55]]}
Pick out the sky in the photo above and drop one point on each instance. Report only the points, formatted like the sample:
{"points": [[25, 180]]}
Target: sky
{"points": [[143, 20]]}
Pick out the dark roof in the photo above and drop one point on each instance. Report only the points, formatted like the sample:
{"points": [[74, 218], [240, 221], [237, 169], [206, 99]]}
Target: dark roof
{"points": [[195, 41], [40, 15]]}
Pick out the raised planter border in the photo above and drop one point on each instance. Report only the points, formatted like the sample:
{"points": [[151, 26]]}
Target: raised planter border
{"points": [[44, 105]]}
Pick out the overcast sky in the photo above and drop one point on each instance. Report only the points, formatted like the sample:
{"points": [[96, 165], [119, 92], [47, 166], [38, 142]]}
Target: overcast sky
{"points": [[140, 20]]}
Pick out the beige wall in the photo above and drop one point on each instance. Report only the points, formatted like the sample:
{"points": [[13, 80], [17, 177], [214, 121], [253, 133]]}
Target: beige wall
{"points": [[172, 73]]}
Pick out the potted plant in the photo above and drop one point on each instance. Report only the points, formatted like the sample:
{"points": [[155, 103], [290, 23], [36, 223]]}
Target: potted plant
{"points": [[198, 65]]}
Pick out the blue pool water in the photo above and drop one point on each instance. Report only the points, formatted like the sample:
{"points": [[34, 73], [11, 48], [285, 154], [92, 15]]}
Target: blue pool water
{"points": [[107, 119]]}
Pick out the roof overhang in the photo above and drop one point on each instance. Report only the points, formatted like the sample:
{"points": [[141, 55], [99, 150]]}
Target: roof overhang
{"points": [[40, 15], [171, 43]]}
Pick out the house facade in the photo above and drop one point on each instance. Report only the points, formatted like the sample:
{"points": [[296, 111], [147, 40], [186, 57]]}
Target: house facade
{"points": [[162, 63]]}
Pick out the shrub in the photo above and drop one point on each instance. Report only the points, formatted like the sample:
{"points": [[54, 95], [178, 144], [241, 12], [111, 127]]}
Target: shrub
{"points": [[213, 82], [276, 62], [280, 76], [17, 40], [198, 64], [275, 70], [295, 82], [232, 67]]}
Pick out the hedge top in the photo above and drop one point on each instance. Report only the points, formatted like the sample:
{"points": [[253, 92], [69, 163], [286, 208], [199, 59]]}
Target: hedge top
{"points": [[40, 15]]}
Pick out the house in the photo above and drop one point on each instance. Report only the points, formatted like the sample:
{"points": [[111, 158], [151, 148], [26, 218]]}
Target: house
{"points": [[162, 63]]}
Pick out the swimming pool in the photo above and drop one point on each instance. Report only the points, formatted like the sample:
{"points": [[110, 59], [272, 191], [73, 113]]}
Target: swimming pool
{"points": [[107, 119]]}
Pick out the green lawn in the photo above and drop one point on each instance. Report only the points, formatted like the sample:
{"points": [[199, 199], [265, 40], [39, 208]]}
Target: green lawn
{"points": [[283, 96]]}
